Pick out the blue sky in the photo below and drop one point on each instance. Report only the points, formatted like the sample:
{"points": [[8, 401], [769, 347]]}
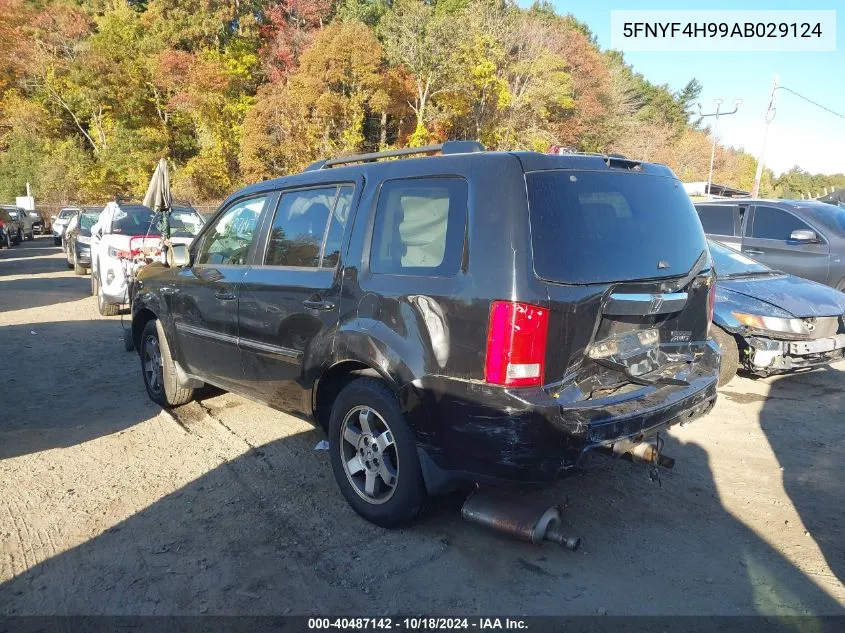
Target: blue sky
{"points": [[800, 134]]}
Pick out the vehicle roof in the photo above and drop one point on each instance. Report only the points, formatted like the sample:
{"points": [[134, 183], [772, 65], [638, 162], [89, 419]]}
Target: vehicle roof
{"points": [[784, 202], [530, 161]]}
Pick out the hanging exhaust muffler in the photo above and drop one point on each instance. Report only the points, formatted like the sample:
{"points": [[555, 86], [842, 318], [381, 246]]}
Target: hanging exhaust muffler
{"points": [[649, 451], [525, 519]]}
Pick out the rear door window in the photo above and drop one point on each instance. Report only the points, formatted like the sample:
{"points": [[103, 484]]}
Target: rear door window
{"points": [[600, 227], [419, 227], [775, 224], [716, 219], [308, 227]]}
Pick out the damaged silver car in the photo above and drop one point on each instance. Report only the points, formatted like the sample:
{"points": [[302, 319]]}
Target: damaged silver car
{"points": [[769, 322]]}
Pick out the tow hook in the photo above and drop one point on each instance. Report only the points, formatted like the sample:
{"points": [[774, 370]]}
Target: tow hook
{"points": [[525, 519]]}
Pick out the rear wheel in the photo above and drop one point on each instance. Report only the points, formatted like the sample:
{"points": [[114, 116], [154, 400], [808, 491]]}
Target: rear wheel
{"points": [[159, 369], [105, 308], [730, 354], [79, 269], [31, 235], [57, 241], [20, 236], [841, 286], [374, 454]]}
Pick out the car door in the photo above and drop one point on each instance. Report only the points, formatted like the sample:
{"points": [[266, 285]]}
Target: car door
{"points": [[767, 239], [204, 298], [290, 298], [721, 222]]}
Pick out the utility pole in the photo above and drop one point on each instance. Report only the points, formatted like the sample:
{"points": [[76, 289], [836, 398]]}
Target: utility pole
{"points": [[770, 114], [717, 114]]}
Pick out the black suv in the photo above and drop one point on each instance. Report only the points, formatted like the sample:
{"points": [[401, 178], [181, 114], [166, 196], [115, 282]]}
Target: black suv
{"points": [[469, 317]]}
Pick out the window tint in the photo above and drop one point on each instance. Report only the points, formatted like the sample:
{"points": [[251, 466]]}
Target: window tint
{"points": [[717, 220], [298, 228], [228, 241], [600, 227], [419, 227], [775, 224]]}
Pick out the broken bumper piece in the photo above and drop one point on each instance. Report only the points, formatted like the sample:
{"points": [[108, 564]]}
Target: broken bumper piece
{"points": [[767, 356]]}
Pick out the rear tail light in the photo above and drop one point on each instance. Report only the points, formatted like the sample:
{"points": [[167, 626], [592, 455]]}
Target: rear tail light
{"points": [[711, 303], [516, 344], [1, 224]]}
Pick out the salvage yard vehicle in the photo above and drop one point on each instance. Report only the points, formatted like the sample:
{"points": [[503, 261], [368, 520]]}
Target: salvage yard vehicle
{"points": [[472, 317], [126, 236], [26, 221], [768, 322], [805, 238], [11, 228], [60, 222], [76, 239]]}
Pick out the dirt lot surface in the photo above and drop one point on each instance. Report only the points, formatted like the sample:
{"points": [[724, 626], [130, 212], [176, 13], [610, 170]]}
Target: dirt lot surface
{"points": [[109, 505]]}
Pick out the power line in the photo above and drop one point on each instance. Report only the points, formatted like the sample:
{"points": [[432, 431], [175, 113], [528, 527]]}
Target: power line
{"points": [[808, 100]]}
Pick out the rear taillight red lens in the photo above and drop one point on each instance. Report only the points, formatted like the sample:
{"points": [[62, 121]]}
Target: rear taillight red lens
{"points": [[516, 344], [711, 304]]}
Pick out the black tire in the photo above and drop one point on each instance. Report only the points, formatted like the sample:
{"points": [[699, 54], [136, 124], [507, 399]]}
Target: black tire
{"points": [[78, 269], [128, 343], [730, 355], [57, 241], [409, 495], [105, 308], [95, 283], [31, 235], [20, 236], [841, 286], [167, 390], [5, 241]]}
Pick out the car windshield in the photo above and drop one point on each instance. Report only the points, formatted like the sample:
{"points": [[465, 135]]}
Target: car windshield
{"points": [[730, 263], [87, 220], [833, 215], [140, 220], [608, 226]]}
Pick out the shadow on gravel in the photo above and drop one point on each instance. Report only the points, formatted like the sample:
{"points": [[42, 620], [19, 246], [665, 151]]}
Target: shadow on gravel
{"points": [[268, 533], [40, 247], [36, 292], [68, 383], [814, 472]]}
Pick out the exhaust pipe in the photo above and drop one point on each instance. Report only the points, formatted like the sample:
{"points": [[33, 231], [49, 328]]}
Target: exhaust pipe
{"points": [[524, 519], [648, 451]]}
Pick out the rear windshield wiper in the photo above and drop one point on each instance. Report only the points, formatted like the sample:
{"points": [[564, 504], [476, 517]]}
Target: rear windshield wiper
{"points": [[637, 380]]}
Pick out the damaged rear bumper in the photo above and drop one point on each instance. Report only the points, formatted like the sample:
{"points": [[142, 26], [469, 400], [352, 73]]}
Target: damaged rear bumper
{"points": [[765, 356], [470, 431]]}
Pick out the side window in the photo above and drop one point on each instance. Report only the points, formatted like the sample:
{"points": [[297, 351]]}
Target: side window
{"points": [[775, 224], [419, 227], [296, 237], [717, 219], [227, 242]]}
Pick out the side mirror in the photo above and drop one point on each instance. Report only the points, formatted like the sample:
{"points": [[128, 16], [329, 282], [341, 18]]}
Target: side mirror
{"points": [[178, 256], [804, 237]]}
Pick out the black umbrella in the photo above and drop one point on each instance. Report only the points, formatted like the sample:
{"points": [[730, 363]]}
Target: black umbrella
{"points": [[158, 197]]}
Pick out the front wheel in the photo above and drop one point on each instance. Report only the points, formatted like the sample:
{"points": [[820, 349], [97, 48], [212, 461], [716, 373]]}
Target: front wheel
{"points": [[374, 454], [159, 369], [730, 354]]}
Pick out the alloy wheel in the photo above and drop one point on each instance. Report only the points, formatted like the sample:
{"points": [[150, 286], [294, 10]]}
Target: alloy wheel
{"points": [[369, 455], [153, 370]]}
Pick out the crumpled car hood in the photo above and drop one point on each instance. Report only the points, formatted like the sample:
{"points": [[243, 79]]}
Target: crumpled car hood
{"points": [[800, 297]]}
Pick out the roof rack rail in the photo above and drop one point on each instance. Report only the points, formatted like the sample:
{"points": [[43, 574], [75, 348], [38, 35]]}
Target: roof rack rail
{"points": [[449, 147]]}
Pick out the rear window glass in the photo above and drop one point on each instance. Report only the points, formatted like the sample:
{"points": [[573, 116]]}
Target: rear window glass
{"points": [[142, 221], [595, 227], [87, 220], [717, 220], [419, 227]]}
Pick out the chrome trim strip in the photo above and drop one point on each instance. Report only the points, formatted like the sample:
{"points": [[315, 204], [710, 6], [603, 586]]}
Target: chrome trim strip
{"points": [[205, 333], [276, 350], [629, 304]]}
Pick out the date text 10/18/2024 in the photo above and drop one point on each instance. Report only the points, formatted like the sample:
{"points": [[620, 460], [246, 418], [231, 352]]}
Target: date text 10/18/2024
{"points": [[418, 624]]}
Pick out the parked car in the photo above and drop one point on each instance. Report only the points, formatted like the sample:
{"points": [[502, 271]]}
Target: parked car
{"points": [[767, 321], [470, 317], [38, 227], [11, 229], [26, 222], [805, 238], [60, 222], [120, 233], [76, 239]]}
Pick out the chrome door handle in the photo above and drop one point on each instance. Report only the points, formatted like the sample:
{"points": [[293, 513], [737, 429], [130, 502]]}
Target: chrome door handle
{"points": [[225, 295], [753, 251]]}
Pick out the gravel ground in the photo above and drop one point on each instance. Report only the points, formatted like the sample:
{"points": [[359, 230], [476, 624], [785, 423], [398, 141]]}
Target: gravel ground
{"points": [[109, 505]]}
